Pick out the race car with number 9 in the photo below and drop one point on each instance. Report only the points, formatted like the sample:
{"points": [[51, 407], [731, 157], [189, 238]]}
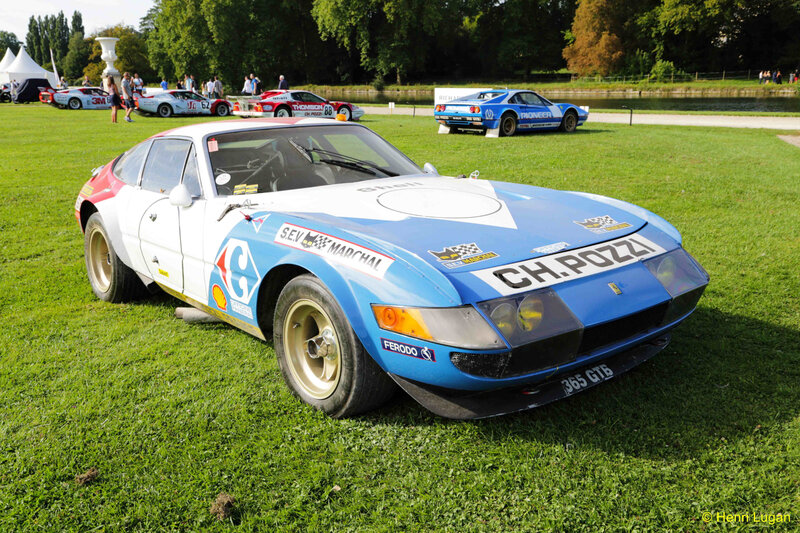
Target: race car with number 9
{"points": [[476, 297]]}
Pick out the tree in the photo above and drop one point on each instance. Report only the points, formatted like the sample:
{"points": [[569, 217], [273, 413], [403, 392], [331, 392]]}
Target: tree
{"points": [[77, 57], [8, 40], [32, 39], [77, 24]]}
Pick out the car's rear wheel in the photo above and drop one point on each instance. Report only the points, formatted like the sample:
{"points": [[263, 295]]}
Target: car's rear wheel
{"points": [[283, 111], [508, 125], [165, 111], [74, 103], [570, 122], [320, 357], [111, 279], [223, 110], [344, 110]]}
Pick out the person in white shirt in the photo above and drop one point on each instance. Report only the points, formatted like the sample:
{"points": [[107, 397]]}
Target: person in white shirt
{"points": [[248, 86], [210, 89], [138, 84]]}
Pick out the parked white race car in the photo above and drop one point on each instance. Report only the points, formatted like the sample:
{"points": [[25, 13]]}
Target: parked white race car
{"points": [[280, 103], [178, 102], [77, 98]]}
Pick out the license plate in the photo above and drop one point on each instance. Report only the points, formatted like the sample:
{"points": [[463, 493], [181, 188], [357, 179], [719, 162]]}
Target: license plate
{"points": [[586, 378]]}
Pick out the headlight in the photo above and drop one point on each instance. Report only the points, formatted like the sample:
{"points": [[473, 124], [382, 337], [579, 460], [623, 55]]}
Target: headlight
{"points": [[531, 317], [682, 277], [463, 327]]}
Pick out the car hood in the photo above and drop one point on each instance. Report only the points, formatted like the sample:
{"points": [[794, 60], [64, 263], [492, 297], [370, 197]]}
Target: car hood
{"points": [[456, 225]]}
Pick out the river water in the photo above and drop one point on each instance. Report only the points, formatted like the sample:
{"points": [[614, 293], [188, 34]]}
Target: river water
{"points": [[772, 104]]}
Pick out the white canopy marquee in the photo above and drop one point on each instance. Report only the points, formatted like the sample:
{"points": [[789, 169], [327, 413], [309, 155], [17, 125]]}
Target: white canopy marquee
{"points": [[5, 63], [23, 68]]}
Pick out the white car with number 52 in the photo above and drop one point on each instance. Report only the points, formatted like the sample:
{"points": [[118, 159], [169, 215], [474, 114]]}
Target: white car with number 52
{"points": [[178, 102]]}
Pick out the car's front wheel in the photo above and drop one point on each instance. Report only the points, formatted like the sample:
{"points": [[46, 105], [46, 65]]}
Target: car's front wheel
{"points": [[74, 103], [111, 279], [344, 110], [320, 357], [570, 122], [165, 111]]}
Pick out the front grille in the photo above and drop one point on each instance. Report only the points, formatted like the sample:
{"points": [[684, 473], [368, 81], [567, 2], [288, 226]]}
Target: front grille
{"points": [[595, 337]]}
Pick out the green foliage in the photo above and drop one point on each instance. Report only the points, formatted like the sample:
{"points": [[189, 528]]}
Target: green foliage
{"points": [[666, 71], [173, 414], [77, 23], [131, 52], [77, 57], [8, 40]]}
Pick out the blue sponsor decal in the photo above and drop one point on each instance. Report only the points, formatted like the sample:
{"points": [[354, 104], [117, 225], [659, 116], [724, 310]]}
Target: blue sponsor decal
{"points": [[419, 352]]}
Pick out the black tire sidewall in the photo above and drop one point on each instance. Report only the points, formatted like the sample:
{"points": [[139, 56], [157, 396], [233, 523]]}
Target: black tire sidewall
{"points": [[283, 108], [570, 115], [220, 112], [69, 104], [164, 106], [346, 112], [311, 288], [503, 120]]}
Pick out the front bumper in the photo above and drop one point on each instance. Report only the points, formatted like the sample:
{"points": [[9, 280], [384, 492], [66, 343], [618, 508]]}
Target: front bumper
{"points": [[250, 114], [467, 405]]}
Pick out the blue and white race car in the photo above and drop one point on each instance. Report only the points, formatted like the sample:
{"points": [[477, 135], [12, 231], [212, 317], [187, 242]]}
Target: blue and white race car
{"points": [[476, 297], [503, 112]]}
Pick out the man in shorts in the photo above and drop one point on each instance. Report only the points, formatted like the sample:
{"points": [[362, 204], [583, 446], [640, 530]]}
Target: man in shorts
{"points": [[127, 96]]}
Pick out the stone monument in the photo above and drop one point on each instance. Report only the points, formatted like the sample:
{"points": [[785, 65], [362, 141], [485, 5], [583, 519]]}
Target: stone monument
{"points": [[109, 55]]}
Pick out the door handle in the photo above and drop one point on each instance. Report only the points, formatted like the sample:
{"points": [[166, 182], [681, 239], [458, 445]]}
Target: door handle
{"points": [[153, 217], [154, 259]]}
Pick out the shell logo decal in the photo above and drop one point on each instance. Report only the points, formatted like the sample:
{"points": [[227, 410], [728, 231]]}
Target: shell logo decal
{"points": [[219, 297]]}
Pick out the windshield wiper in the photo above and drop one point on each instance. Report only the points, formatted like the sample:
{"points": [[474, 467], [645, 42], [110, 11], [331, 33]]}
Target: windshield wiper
{"points": [[341, 160], [231, 207]]}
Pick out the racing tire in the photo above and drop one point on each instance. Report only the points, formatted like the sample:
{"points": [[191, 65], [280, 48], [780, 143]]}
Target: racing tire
{"points": [[344, 110], [508, 125], [164, 111], [320, 357], [223, 110], [74, 104], [570, 122], [283, 111], [111, 279], [5, 98]]}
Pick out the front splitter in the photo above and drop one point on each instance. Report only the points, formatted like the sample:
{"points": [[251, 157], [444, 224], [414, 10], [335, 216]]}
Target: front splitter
{"points": [[467, 405]]}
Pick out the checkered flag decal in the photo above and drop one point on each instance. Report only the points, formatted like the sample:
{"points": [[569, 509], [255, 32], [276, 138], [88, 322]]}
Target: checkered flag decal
{"points": [[465, 250]]}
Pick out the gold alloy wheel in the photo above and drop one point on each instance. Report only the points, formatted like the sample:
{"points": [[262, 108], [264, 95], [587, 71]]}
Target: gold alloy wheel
{"points": [[570, 122], [312, 349], [100, 260]]}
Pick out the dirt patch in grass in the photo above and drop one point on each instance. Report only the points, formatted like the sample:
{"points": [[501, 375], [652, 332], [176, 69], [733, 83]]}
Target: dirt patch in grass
{"points": [[87, 477], [222, 507]]}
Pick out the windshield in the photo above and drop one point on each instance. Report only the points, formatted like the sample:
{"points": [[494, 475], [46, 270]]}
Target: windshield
{"points": [[279, 159]]}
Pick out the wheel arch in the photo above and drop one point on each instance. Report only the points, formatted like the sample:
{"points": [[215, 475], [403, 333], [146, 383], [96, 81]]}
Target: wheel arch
{"points": [[86, 211]]}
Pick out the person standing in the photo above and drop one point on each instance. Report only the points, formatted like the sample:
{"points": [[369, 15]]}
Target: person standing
{"points": [[127, 96], [194, 84], [164, 84], [115, 100], [282, 83], [138, 84], [187, 83], [217, 87], [247, 88], [86, 82]]}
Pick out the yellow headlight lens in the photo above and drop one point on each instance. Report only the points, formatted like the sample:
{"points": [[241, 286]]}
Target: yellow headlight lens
{"points": [[529, 313], [504, 316], [666, 271]]}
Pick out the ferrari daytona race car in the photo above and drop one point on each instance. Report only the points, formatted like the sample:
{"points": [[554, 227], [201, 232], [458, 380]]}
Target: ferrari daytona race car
{"points": [[180, 102], [77, 98], [476, 297], [505, 112], [283, 103]]}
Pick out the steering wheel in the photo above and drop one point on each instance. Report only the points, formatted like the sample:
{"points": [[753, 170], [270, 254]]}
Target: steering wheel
{"points": [[266, 166]]}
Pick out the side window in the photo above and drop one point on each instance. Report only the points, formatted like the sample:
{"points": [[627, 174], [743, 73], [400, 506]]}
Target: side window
{"points": [[191, 177], [128, 166], [164, 165], [532, 99], [309, 97], [515, 99]]}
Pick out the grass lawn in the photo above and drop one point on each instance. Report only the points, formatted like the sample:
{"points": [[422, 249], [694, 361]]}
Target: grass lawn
{"points": [[172, 414]]}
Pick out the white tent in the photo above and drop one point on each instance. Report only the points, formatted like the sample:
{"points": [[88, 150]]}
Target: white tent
{"points": [[4, 64], [24, 68]]}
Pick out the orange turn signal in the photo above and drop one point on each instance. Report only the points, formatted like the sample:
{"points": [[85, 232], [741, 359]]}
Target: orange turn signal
{"points": [[402, 320]]}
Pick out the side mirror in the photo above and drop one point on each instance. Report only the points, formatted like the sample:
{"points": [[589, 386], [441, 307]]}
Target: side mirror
{"points": [[180, 196], [427, 168]]}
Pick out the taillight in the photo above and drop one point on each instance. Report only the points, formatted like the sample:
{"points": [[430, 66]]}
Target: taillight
{"points": [[236, 106], [474, 109], [258, 108], [439, 108]]}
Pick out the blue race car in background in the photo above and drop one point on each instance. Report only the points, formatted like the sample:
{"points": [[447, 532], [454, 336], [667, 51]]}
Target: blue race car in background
{"points": [[503, 112], [476, 297]]}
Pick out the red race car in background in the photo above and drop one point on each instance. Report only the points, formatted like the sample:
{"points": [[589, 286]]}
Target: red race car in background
{"points": [[283, 103]]}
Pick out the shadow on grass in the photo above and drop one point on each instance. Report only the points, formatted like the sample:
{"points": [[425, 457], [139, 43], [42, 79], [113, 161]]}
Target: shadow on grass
{"points": [[723, 378]]}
